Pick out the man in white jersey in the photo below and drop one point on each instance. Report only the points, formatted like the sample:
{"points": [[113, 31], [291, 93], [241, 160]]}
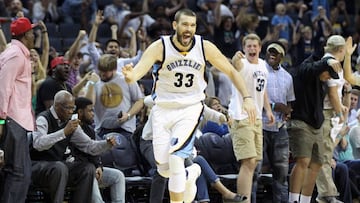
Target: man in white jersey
{"points": [[333, 107], [178, 94], [247, 139]]}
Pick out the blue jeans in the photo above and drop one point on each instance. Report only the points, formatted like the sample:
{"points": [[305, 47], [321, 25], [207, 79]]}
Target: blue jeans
{"points": [[276, 148], [114, 179], [207, 175], [342, 182]]}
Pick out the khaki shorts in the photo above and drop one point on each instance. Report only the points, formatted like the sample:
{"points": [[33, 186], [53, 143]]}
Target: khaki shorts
{"points": [[247, 139], [306, 141]]}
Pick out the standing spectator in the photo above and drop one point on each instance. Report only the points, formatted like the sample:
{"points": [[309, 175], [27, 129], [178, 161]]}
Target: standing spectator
{"points": [[46, 11], [116, 102], [15, 109], [247, 139], [335, 49], [115, 13], [55, 133], [179, 92], [79, 12], [284, 21], [15, 7], [280, 90], [306, 132]]}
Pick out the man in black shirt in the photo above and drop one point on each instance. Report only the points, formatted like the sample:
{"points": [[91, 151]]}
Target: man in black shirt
{"points": [[305, 133]]}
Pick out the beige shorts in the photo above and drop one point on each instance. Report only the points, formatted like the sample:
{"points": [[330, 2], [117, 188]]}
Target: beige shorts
{"points": [[247, 139]]}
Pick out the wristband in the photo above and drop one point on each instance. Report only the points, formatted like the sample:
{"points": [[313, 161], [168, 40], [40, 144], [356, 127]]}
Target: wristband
{"points": [[2, 122], [338, 114], [247, 97], [129, 115], [338, 136], [91, 82]]}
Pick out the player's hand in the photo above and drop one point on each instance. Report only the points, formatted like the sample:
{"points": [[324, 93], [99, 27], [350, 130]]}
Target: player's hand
{"points": [[127, 71], [249, 107], [98, 173]]}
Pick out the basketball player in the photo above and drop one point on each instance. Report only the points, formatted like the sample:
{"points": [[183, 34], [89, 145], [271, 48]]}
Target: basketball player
{"points": [[178, 94]]}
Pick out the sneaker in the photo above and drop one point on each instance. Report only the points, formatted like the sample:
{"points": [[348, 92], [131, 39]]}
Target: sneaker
{"points": [[328, 199], [193, 172], [237, 198]]}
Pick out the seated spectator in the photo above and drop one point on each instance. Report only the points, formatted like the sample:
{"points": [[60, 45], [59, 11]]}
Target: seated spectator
{"points": [[55, 82], [55, 132], [354, 137], [105, 176], [211, 126], [353, 115]]}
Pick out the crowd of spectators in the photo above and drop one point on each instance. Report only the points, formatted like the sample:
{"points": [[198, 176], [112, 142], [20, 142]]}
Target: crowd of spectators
{"points": [[75, 58]]}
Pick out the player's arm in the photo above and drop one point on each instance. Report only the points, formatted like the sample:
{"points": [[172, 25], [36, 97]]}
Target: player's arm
{"points": [[150, 56], [217, 59]]}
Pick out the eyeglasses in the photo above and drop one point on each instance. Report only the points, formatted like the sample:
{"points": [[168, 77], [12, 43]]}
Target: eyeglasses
{"points": [[69, 108]]}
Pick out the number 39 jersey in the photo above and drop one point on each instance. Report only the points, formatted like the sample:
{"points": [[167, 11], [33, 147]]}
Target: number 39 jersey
{"points": [[180, 80], [255, 76]]}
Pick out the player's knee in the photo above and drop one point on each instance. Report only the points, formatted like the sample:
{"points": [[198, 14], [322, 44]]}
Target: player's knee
{"points": [[176, 164], [163, 170]]}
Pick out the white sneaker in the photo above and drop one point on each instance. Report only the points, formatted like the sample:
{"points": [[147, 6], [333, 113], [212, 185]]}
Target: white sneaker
{"points": [[194, 172]]}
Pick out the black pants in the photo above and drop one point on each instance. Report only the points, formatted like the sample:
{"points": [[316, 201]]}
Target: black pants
{"points": [[17, 168], [56, 175]]}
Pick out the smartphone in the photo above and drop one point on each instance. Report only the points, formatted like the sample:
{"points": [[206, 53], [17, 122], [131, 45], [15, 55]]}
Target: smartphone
{"points": [[74, 116], [120, 114]]}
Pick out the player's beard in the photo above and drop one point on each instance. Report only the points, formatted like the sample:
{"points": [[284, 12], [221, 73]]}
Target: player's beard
{"points": [[180, 39]]}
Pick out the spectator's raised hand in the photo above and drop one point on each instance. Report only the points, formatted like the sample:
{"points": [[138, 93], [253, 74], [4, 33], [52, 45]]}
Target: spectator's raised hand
{"points": [[99, 18], [236, 60], [71, 127], [349, 47]]}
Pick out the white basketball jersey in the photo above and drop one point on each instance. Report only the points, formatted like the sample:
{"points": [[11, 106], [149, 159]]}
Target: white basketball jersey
{"points": [[255, 77], [180, 80]]}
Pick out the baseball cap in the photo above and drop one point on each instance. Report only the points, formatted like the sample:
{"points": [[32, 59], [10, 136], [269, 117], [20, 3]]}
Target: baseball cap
{"points": [[20, 26], [335, 40], [277, 46], [57, 61]]}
